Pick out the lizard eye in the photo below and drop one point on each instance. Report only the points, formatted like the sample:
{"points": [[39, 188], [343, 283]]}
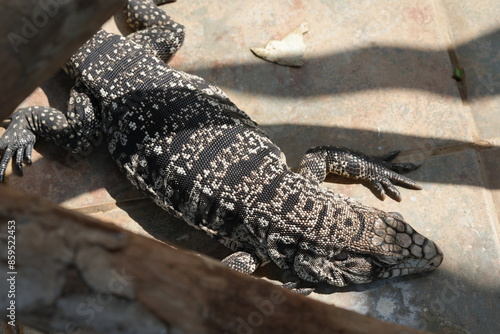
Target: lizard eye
{"points": [[342, 256]]}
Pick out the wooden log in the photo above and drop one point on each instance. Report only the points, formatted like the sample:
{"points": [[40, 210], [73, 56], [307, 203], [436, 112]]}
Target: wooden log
{"points": [[78, 275], [38, 36]]}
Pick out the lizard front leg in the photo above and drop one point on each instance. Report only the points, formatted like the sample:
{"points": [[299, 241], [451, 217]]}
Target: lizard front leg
{"points": [[242, 261], [157, 32], [74, 130], [378, 171]]}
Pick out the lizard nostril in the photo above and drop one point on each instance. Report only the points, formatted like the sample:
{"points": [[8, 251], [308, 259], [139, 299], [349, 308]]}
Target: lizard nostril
{"points": [[342, 256]]}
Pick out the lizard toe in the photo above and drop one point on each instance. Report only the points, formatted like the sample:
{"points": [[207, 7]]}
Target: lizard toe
{"points": [[28, 153], [391, 189], [3, 163], [19, 160], [378, 188]]}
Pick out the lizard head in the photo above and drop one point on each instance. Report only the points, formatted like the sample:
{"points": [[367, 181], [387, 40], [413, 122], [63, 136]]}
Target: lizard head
{"points": [[388, 248]]}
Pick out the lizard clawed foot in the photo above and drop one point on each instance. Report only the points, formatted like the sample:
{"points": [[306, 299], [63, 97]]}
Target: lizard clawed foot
{"points": [[385, 175], [379, 172], [294, 287], [17, 142]]}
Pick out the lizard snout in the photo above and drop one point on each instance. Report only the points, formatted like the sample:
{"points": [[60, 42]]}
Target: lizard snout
{"points": [[431, 259], [403, 250]]}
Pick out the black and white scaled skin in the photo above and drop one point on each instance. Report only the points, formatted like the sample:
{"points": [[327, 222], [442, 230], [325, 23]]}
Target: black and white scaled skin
{"points": [[185, 145]]}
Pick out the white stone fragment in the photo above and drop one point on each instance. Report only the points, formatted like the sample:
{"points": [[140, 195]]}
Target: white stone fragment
{"points": [[289, 51]]}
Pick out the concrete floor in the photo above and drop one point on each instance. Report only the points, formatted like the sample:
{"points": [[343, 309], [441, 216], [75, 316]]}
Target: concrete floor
{"points": [[378, 77]]}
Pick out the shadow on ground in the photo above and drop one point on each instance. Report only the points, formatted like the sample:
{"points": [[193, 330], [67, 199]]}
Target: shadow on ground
{"points": [[378, 67]]}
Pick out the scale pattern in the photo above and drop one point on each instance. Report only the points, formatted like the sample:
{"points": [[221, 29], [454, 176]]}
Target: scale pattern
{"points": [[184, 144]]}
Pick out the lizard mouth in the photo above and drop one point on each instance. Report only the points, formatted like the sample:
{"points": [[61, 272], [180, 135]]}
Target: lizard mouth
{"points": [[359, 268], [430, 259]]}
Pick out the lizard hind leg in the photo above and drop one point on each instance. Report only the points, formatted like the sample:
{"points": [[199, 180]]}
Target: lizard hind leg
{"points": [[242, 261]]}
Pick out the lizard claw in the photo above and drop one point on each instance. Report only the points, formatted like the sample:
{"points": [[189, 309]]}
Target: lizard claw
{"points": [[398, 167], [390, 156]]}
